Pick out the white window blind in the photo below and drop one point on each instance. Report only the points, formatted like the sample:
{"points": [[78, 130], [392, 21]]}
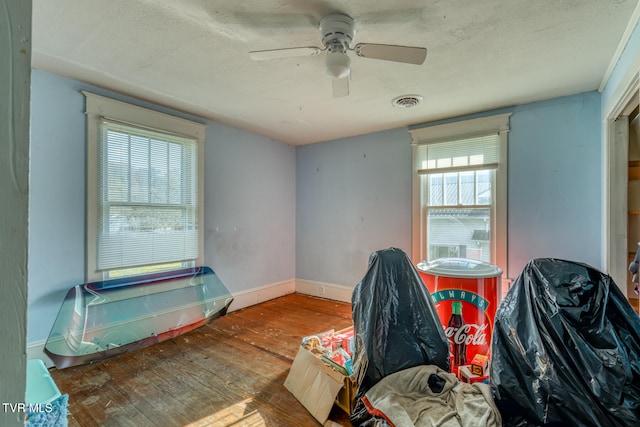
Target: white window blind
{"points": [[475, 153], [148, 201]]}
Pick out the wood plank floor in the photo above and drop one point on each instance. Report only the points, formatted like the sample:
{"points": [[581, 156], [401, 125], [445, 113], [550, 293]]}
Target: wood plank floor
{"points": [[229, 373]]}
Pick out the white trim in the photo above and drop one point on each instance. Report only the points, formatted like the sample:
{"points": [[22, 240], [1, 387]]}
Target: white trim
{"points": [[417, 239], [622, 44], [499, 124], [501, 207], [35, 350], [614, 164], [99, 106], [461, 129], [615, 206], [623, 95], [324, 290], [129, 113], [255, 296]]}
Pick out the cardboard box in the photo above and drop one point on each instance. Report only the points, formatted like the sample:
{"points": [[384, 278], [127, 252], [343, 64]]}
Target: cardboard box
{"points": [[318, 387], [465, 375], [347, 396], [479, 364]]}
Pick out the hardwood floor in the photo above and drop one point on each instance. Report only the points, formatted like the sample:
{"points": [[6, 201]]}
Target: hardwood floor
{"points": [[229, 373]]}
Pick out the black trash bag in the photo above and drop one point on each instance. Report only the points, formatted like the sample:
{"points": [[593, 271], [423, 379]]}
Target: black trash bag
{"points": [[396, 325], [566, 349]]}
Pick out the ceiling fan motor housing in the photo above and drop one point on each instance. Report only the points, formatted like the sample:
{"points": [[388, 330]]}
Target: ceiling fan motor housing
{"points": [[338, 31]]}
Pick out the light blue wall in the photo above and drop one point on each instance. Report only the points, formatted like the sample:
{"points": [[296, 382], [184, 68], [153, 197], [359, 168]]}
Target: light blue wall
{"points": [[250, 187], [353, 197], [349, 205], [249, 208], [554, 181], [56, 198]]}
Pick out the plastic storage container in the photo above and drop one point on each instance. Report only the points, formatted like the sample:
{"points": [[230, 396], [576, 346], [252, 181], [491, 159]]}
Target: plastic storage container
{"points": [[41, 388], [465, 293]]}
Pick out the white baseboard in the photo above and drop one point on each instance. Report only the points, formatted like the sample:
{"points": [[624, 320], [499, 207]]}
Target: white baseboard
{"points": [[324, 290], [35, 350], [264, 293]]}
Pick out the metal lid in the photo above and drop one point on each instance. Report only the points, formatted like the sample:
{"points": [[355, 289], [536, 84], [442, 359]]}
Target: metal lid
{"points": [[459, 267]]}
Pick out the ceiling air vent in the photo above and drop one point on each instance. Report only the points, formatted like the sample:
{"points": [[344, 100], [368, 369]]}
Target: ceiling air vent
{"points": [[406, 101]]}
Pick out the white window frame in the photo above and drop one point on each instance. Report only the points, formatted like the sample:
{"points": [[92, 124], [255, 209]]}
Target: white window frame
{"points": [[498, 124], [99, 107]]}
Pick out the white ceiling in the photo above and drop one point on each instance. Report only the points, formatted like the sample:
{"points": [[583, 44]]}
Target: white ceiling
{"points": [[192, 55]]}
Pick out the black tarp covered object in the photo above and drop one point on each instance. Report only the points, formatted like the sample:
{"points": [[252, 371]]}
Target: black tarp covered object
{"points": [[395, 322], [566, 349]]}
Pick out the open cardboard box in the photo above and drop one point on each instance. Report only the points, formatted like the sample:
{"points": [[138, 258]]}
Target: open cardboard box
{"points": [[318, 387]]}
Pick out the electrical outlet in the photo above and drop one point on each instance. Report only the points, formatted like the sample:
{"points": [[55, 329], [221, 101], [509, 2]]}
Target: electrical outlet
{"points": [[322, 289]]}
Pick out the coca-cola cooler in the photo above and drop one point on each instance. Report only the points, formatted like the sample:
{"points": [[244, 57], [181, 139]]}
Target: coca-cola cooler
{"points": [[465, 293]]}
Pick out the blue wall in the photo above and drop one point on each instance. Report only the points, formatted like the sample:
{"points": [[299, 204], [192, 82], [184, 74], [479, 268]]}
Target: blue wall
{"points": [[57, 200], [555, 174], [249, 201], [353, 197], [349, 205], [249, 208]]}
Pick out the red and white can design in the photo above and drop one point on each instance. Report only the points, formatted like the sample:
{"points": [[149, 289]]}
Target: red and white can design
{"points": [[465, 293]]}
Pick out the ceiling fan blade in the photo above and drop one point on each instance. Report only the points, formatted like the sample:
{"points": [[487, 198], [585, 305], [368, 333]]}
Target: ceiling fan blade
{"points": [[340, 87], [264, 55], [387, 52]]}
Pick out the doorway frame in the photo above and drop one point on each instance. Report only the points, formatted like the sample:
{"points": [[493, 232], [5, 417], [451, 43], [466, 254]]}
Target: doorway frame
{"points": [[615, 171]]}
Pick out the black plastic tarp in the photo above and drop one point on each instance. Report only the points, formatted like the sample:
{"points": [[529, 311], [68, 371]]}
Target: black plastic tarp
{"points": [[566, 349], [395, 323]]}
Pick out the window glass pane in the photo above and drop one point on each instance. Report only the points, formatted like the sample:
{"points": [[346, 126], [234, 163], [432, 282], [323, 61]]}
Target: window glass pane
{"points": [[159, 171], [460, 161], [483, 183], [467, 188], [134, 271], [476, 159], [118, 166], [459, 232], [451, 188], [443, 163], [146, 218], [149, 216], [435, 190], [481, 150], [105, 318], [139, 169], [175, 173]]}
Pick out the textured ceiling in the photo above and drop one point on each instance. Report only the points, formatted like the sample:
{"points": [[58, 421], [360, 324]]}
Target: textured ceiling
{"points": [[192, 55]]}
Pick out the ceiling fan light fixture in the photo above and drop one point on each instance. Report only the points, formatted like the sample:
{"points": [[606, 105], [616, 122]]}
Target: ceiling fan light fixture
{"points": [[337, 64]]}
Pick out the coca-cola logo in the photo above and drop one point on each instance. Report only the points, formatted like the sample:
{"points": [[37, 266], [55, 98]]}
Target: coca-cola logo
{"points": [[469, 334]]}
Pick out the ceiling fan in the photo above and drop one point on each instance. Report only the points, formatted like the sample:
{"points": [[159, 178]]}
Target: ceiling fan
{"points": [[337, 31]]}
